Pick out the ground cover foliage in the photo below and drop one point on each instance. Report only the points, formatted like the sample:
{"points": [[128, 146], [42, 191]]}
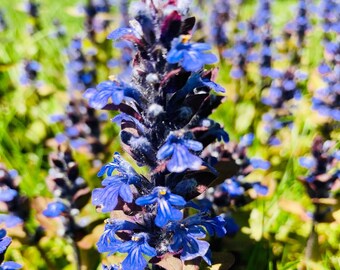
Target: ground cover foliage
{"points": [[251, 175]]}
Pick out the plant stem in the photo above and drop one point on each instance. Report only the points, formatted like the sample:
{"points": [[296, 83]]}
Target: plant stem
{"points": [[71, 238], [312, 249]]}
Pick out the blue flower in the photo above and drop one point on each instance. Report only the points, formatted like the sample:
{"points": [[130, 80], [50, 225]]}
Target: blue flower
{"points": [[122, 166], [121, 32], [274, 97], [4, 241], [307, 162], [100, 96], [230, 225], [114, 186], [260, 189], [165, 201], [136, 247], [191, 55], [177, 149], [212, 85], [232, 187], [185, 240], [214, 226], [10, 265], [10, 220], [7, 194], [125, 117], [110, 167], [273, 141], [258, 163], [117, 185], [324, 68], [55, 209], [213, 130], [108, 242], [247, 140]]}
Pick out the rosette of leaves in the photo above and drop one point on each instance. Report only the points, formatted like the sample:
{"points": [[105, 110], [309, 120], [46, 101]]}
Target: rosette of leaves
{"points": [[164, 117]]}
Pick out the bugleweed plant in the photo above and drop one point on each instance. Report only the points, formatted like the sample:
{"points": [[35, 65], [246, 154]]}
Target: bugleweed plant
{"points": [[179, 194], [163, 114]]}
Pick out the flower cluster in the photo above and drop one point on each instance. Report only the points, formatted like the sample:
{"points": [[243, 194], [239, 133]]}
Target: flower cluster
{"points": [[281, 97], [80, 69], [81, 123], [29, 73], [323, 179], [71, 194], [220, 15], [125, 47], [329, 14], [32, 10], [263, 14], [96, 21], [69, 189], [241, 54], [124, 12], [236, 191], [297, 29], [326, 99], [163, 115], [302, 22], [15, 206], [59, 29], [266, 58], [253, 32], [5, 241]]}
